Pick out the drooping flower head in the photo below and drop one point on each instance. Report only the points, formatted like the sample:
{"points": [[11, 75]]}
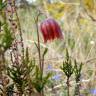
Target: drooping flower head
{"points": [[50, 30]]}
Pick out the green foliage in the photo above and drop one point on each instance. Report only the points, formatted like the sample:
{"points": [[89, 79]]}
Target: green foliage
{"points": [[39, 81], [10, 90], [7, 37], [20, 74], [15, 74], [2, 4], [6, 40], [67, 65], [45, 51], [77, 70]]}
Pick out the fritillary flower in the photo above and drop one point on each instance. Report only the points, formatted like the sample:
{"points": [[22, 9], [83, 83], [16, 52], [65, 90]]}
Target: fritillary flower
{"points": [[50, 30]]}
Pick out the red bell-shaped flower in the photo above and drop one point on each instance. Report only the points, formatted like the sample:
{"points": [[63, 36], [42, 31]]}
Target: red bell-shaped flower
{"points": [[50, 30]]}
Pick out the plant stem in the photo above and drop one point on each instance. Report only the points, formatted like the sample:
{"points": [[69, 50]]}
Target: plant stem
{"points": [[39, 52], [20, 31], [68, 86], [1, 64], [77, 89], [41, 93]]}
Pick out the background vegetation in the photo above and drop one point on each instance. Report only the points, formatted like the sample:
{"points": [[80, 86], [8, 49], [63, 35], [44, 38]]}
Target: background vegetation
{"points": [[77, 19]]}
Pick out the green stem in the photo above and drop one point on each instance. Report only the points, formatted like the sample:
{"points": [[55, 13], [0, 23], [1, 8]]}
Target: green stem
{"points": [[39, 52]]}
